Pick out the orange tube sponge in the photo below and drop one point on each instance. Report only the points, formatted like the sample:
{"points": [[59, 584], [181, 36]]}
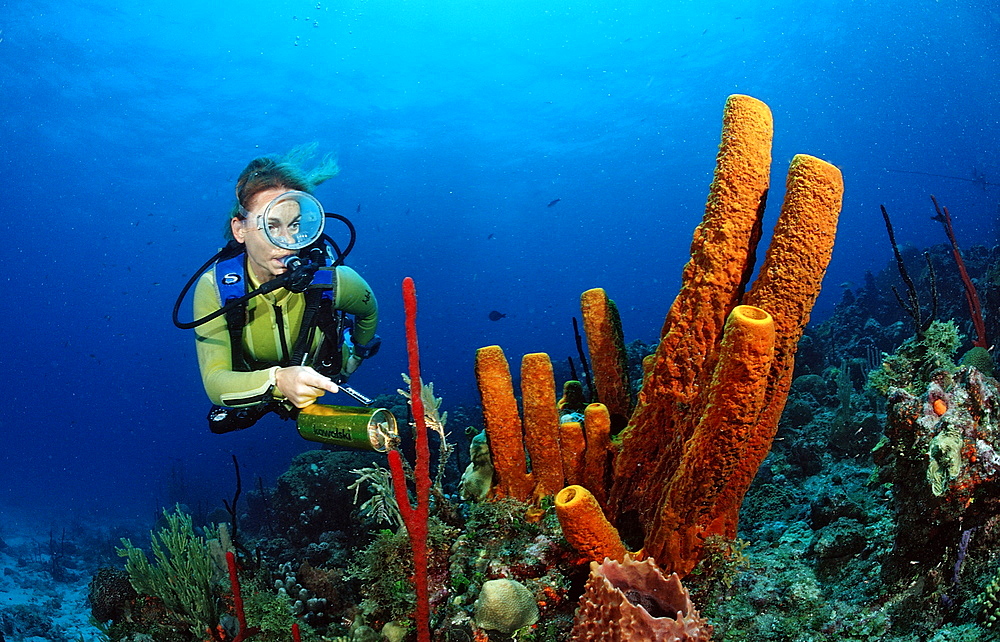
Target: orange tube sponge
{"points": [[597, 428], [713, 280], [503, 424], [606, 345], [585, 527], [734, 402], [787, 287], [572, 448], [541, 423]]}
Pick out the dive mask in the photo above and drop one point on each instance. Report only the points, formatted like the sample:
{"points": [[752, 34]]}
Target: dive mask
{"points": [[291, 221]]}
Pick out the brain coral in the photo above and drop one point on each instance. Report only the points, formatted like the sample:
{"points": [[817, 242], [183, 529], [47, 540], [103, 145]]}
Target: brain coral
{"points": [[633, 601], [506, 606]]}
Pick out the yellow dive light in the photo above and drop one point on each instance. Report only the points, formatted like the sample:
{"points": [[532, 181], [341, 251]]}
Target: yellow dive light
{"points": [[351, 426]]}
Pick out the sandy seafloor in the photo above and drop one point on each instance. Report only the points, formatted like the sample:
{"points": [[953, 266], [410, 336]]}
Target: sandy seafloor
{"points": [[48, 576]]}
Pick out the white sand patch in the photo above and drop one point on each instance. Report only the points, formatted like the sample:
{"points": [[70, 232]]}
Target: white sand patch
{"points": [[44, 578]]}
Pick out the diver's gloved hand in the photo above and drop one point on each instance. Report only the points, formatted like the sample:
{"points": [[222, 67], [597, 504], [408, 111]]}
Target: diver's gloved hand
{"points": [[302, 385]]}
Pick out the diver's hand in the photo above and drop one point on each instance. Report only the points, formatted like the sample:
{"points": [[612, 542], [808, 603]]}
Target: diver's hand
{"points": [[302, 385]]}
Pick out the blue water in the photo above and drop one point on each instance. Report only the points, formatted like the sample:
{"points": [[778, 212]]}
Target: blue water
{"points": [[123, 128]]}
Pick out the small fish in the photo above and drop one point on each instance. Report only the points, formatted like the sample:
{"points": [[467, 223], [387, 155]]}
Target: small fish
{"points": [[358, 211], [551, 203], [496, 316], [492, 235]]}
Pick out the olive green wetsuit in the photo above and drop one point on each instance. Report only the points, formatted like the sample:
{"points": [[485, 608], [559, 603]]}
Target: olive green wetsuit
{"points": [[273, 322]]}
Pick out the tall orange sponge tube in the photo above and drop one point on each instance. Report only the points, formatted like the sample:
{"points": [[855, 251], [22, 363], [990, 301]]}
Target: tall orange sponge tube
{"points": [[712, 284], [606, 344], [787, 288], [541, 423], [503, 424], [596, 456], [717, 446]]}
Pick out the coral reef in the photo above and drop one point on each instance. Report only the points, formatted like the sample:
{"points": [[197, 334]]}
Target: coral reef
{"points": [[835, 544], [111, 594], [944, 469], [310, 505]]}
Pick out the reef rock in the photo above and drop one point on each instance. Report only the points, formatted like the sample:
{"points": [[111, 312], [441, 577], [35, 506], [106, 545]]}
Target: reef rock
{"points": [[634, 601], [941, 456]]}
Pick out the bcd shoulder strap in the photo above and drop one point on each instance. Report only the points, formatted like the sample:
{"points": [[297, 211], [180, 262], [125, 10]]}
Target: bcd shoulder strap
{"points": [[230, 278]]}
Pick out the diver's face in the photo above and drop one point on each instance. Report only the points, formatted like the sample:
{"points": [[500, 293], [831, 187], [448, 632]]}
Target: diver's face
{"points": [[263, 256]]}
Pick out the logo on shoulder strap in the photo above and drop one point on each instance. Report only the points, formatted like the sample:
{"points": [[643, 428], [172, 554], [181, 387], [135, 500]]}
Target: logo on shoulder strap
{"points": [[231, 278]]}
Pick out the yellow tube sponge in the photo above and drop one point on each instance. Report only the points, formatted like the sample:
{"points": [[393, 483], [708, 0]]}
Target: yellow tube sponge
{"points": [[503, 424], [789, 282], [606, 345], [712, 282], [716, 448], [597, 429], [585, 527], [541, 423], [572, 449]]}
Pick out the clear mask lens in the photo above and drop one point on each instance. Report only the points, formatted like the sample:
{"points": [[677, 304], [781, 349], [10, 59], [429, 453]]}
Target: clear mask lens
{"points": [[293, 220]]}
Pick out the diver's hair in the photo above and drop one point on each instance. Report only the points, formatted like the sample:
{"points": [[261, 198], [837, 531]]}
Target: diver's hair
{"points": [[280, 172]]}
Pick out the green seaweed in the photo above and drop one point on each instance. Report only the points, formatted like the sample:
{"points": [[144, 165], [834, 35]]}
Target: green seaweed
{"points": [[183, 575]]}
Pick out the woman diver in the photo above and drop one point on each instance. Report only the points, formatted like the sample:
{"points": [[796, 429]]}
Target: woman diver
{"points": [[280, 321]]}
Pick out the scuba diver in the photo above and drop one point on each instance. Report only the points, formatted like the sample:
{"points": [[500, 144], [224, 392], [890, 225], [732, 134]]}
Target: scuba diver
{"points": [[279, 319]]}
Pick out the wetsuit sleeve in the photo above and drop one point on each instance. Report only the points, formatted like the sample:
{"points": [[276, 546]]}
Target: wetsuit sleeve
{"points": [[356, 298], [225, 386]]}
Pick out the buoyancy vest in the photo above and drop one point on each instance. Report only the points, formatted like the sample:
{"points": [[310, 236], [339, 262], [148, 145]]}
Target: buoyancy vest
{"points": [[232, 283]]}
